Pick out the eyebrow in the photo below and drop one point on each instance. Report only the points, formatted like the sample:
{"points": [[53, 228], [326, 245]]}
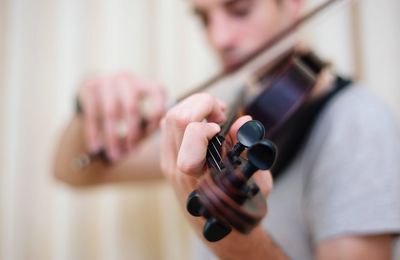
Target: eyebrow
{"points": [[229, 2], [198, 11]]}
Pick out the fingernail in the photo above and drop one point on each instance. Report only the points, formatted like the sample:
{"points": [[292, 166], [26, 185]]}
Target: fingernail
{"points": [[215, 127]]}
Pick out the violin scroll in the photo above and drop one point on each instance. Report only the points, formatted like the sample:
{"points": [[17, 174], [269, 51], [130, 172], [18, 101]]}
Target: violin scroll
{"points": [[228, 198]]}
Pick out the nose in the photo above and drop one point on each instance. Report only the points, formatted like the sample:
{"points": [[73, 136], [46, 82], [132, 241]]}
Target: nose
{"points": [[222, 34]]}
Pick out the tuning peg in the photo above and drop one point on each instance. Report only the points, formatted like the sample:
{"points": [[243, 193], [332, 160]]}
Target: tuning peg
{"points": [[248, 134], [261, 156], [193, 204], [214, 230]]}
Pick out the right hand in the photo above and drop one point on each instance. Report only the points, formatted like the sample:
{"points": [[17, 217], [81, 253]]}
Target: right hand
{"points": [[109, 100]]}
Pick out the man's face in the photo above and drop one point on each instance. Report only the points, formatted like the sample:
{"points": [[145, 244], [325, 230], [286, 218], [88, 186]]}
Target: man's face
{"points": [[236, 28]]}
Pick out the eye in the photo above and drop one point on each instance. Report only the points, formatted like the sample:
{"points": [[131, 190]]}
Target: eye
{"points": [[239, 8], [204, 19]]}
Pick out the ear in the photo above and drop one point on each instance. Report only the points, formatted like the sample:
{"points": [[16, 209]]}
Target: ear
{"points": [[293, 8]]}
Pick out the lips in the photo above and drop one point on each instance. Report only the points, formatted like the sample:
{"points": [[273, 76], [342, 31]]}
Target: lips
{"points": [[229, 64], [232, 61]]}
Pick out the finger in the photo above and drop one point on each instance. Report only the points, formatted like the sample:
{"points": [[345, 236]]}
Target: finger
{"points": [[129, 96], [199, 107], [168, 148], [222, 104], [235, 127], [110, 116], [218, 116], [192, 153], [156, 95], [264, 181], [88, 99], [193, 109]]}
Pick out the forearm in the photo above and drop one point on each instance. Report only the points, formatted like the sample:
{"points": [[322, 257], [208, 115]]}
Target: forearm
{"points": [[142, 164], [258, 244]]}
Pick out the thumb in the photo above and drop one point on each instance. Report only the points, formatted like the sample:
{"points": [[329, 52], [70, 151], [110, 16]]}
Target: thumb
{"points": [[264, 181]]}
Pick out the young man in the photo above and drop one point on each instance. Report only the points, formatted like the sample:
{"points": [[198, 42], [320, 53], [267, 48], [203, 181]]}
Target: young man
{"points": [[338, 199]]}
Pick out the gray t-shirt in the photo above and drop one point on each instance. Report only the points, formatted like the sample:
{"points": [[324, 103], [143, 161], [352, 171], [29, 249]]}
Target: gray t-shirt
{"points": [[346, 179]]}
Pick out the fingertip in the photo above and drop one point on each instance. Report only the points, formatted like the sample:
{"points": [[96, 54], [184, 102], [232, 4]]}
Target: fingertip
{"points": [[238, 123], [215, 127], [264, 181], [241, 121], [221, 104], [245, 118]]}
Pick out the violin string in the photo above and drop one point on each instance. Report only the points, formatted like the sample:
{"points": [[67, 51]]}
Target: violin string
{"points": [[215, 153], [214, 150]]}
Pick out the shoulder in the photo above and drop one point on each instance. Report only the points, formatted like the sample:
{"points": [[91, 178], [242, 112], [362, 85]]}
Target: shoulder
{"points": [[355, 127], [355, 115], [358, 105], [353, 167]]}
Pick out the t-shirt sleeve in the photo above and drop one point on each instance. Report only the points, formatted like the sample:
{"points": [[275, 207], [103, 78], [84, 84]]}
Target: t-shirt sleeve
{"points": [[354, 185]]}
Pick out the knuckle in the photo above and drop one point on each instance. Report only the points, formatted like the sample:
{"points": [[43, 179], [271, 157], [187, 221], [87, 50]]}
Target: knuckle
{"points": [[177, 118], [186, 167], [182, 120], [195, 127], [169, 116]]}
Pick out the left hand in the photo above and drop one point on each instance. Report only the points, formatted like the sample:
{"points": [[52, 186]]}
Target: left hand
{"points": [[186, 130]]}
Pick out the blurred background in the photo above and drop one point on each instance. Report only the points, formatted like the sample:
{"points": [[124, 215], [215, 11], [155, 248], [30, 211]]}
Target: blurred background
{"points": [[47, 49]]}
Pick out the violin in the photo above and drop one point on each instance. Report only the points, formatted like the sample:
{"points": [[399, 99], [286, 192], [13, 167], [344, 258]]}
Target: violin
{"points": [[277, 95], [228, 197]]}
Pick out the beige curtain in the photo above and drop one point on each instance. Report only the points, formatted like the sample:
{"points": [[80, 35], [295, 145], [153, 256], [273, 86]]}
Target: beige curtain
{"points": [[48, 47]]}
